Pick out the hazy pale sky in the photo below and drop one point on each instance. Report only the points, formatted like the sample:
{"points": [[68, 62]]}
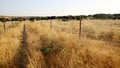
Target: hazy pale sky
{"points": [[57, 7]]}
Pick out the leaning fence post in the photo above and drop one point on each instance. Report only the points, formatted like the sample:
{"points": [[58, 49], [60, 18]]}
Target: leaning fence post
{"points": [[80, 27]]}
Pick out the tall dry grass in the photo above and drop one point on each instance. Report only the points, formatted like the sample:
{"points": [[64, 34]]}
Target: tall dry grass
{"points": [[60, 47], [95, 29], [7, 25], [9, 46], [51, 49]]}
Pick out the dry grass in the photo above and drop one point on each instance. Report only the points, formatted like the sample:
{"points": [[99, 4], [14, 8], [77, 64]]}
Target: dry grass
{"points": [[62, 50], [60, 46], [7, 25], [9, 45], [97, 29]]}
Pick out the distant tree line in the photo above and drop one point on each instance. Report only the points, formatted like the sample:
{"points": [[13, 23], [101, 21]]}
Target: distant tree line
{"points": [[63, 18], [106, 16]]}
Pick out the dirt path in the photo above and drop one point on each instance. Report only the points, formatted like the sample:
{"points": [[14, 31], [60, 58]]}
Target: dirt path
{"points": [[22, 54]]}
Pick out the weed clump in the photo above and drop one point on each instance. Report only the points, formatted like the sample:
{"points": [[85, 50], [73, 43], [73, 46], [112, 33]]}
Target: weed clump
{"points": [[51, 47]]}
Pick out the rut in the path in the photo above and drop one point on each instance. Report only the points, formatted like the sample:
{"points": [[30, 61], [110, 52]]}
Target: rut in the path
{"points": [[22, 56]]}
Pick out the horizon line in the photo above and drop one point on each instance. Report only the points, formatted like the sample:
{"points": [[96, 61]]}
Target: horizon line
{"points": [[55, 15]]}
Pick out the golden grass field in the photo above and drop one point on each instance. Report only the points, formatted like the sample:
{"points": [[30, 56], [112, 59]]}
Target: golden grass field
{"points": [[36, 45]]}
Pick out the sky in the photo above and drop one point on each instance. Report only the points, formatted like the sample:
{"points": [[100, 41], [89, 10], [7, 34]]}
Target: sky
{"points": [[57, 7]]}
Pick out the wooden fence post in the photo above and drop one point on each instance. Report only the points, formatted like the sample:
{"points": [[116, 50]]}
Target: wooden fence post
{"points": [[4, 26], [41, 22], [51, 24], [12, 24], [4, 20], [80, 27]]}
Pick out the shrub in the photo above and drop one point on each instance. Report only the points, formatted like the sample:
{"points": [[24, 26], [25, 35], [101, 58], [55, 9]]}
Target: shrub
{"points": [[51, 47]]}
